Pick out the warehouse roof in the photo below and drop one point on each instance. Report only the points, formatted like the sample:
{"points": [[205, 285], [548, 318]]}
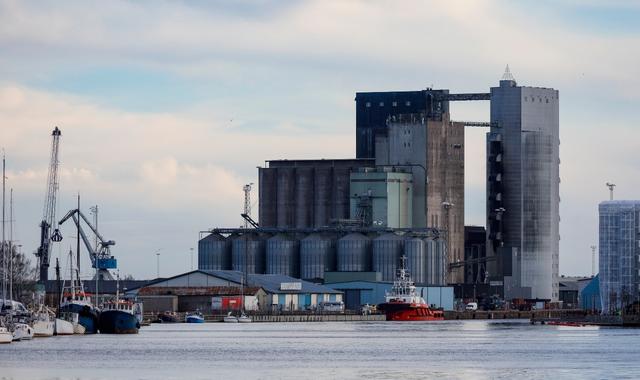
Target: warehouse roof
{"points": [[271, 283], [197, 291]]}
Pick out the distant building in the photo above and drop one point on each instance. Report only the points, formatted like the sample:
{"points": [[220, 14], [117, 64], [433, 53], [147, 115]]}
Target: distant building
{"points": [[305, 193], [219, 290], [619, 254], [431, 147], [475, 255], [382, 197], [374, 108], [590, 295], [523, 190]]}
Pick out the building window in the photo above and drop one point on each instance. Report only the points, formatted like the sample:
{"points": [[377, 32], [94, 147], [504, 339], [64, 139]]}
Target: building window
{"points": [[525, 98], [407, 103], [395, 104], [367, 104], [381, 104]]}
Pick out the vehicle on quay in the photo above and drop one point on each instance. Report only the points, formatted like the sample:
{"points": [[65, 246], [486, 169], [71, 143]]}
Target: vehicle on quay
{"points": [[471, 306], [403, 303], [331, 307]]}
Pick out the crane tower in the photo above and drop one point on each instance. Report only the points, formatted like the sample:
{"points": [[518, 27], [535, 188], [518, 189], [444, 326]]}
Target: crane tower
{"points": [[49, 212]]}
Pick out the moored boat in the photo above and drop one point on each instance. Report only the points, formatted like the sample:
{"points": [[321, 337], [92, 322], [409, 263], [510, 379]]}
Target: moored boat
{"points": [[22, 331], [118, 317], [403, 303], [63, 327], [44, 323], [195, 317], [5, 335], [230, 318], [168, 317], [243, 318], [75, 300]]}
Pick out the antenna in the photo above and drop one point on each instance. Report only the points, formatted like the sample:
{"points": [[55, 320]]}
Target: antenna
{"points": [[611, 186], [593, 260], [507, 74], [247, 202]]}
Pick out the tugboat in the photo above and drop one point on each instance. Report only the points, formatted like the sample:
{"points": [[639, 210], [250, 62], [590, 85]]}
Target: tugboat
{"points": [[403, 302], [75, 300], [118, 316]]}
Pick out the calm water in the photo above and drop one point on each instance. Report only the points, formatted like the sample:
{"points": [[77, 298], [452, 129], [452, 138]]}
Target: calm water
{"points": [[452, 349]]}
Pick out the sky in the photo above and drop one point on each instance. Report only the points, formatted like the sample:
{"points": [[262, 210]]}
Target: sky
{"points": [[167, 108]]}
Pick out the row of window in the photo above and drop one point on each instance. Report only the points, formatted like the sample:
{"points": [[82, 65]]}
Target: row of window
{"points": [[393, 104], [533, 99]]}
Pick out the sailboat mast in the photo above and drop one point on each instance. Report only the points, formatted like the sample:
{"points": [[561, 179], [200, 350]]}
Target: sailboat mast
{"points": [[58, 283], [78, 240], [4, 255], [71, 280], [11, 244]]}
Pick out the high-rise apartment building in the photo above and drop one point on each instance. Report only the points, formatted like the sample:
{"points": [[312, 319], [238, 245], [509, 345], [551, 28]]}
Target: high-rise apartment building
{"points": [[523, 190], [619, 254]]}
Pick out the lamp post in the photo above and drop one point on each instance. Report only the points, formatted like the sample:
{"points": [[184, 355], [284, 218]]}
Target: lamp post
{"points": [[158, 263]]}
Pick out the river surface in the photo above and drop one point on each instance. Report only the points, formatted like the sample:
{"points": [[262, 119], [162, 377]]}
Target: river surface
{"points": [[373, 350]]}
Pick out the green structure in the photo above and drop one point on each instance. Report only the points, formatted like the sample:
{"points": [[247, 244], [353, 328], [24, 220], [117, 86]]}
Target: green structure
{"points": [[382, 197]]}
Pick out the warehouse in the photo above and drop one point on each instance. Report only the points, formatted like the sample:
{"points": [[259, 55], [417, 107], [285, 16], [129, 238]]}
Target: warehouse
{"points": [[218, 291]]}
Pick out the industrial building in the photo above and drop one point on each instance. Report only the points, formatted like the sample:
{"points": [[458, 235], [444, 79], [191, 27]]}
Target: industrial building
{"points": [[475, 255], [523, 190], [218, 291], [619, 255], [407, 180], [306, 193]]}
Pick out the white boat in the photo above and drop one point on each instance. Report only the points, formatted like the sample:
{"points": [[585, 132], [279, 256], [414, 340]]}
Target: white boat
{"points": [[22, 331], [243, 318], [63, 327], [5, 335], [230, 318], [44, 324]]}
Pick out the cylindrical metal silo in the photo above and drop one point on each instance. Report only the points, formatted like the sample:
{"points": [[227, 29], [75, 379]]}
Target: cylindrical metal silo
{"points": [[387, 250], [340, 193], [304, 197], [354, 253], [247, 253], [441, 262], [268, 199], [317, 255], [283, 256], [214, 253], [415, 250], [322, 196], [286, 197], [436, 263]]}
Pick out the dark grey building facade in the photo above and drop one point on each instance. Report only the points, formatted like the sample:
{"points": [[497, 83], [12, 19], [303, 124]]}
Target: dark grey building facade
{"points": [[523, 190]]}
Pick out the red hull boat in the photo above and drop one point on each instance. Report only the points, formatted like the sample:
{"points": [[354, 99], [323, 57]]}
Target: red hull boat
{"points": [[403, 302]]}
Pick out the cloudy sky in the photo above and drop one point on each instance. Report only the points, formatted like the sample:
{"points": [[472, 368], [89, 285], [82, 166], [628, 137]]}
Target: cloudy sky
{"points": [[166, 108]]}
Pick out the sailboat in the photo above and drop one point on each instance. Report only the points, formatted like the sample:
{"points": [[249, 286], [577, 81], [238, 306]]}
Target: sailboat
{"points": [[243, 317], [5, 335], [44, 322]]}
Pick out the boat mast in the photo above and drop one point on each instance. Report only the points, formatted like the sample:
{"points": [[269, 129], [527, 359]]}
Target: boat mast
{"points": [[4, 255], [78, 242], [59, 284], [11, 244]]}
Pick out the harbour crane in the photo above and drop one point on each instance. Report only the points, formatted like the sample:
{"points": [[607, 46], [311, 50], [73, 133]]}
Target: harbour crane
{"points": [[49, 214], [101, 258]]}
